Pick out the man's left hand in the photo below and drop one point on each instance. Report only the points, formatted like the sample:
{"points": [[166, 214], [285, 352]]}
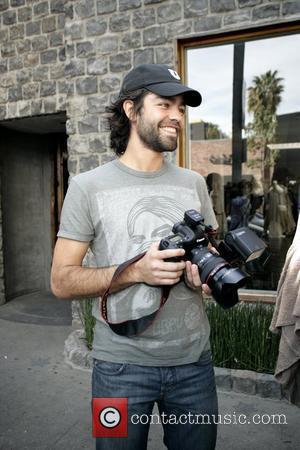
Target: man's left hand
{"points": [[192, 278]]}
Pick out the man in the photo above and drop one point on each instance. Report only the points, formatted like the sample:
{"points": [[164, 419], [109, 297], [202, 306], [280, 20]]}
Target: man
{"points": [[118, 210]]}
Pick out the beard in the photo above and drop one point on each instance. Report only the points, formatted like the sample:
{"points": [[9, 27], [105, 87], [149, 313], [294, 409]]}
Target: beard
{"points": [[154, 138]]}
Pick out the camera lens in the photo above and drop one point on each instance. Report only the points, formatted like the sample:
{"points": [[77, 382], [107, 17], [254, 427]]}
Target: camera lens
{"points": [[223, 279]]}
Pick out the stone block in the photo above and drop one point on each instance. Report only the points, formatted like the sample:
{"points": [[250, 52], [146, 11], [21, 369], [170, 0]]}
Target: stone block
{"points": [[39, 43], [105, 7], [7, 80], [12, 110], [124, 5], [9, 17], [4, 5], [239, 17], [50, 106], [155, 35], [131, 40], [164, 55], [244, 3], [77, 145], [4, 35], [109, 84], [207, 23], [84, 8], [61, 21], [223, 378], [41, 9], [86, 86], [57, 6], [193, 8], [30, 90], [97, 145], [24, 76], [85, 49], [49, 57], [23, 46], [8, 49], [15, 94], [97, 104], [144, 18], [97, 66], [290, 8], [36, 107], [62, 54], [221, 6], [33, 28], [48, 88], [17, 2], [96, 27], [40, 73], [88, 124], [56, 39], [107, 44], [145, 56], [24, 108], [74, 30], [15, 63], [120, 62], [24, 14], [70, 127], [75, 68], [31, 59], [66, 87], [16, 31], [169, 13], [88, 162], [57, 71], [244, 381], [181, 29], [49, 24], [2, 112], [72, 165], [3, 66], [265, 12], [3, 95], [119, 22]]}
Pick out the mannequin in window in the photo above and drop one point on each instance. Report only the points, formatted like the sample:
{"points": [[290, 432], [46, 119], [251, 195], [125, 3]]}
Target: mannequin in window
{"points": [[216, 191], [279, 217]]}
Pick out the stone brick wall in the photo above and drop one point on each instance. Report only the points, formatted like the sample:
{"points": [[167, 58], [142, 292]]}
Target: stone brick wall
{"points": [[71, 55]]}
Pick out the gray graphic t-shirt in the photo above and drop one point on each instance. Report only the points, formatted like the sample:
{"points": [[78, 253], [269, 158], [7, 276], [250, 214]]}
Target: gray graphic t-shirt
{"points": [[121, 211]]}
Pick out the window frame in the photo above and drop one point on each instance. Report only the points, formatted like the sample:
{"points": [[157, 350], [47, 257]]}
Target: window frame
{"points": [[231, 37]]}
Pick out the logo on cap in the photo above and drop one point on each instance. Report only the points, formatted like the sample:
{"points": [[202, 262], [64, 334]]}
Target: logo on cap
{"points": [[174, 74]]}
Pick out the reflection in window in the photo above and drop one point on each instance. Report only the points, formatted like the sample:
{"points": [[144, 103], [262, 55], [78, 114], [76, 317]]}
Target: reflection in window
{"points": [[245, 138]]}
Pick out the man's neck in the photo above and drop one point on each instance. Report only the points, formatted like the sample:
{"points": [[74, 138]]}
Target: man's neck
{"points": [[141, 158]]}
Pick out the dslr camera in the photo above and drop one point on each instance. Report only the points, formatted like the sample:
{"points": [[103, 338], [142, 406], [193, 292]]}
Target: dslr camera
{"points": [[219, 271]]}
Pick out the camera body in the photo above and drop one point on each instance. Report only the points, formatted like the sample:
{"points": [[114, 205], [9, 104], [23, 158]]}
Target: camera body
{"points": [[216, 270]]}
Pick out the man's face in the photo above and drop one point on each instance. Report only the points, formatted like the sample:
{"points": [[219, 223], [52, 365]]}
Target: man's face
{"points": [[159, 121]]}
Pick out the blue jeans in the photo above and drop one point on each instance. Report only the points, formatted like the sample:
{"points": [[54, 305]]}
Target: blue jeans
{"points": [[177, 390]]}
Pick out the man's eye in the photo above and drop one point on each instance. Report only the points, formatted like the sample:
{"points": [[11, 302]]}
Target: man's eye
{"points": [[164, 105]]}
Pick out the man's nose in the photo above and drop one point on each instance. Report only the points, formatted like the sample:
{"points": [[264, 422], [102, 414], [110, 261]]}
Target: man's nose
{"points": [[176, 114]]}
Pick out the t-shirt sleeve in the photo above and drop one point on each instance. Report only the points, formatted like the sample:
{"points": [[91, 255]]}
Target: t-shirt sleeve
{"points": [[206, 204], [75, 221]]}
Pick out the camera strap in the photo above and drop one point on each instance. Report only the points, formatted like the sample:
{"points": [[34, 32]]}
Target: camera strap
{"points": [[132, 327]]}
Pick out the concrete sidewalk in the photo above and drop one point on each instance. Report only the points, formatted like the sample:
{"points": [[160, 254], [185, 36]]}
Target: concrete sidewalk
{"points": [[45, 404]]}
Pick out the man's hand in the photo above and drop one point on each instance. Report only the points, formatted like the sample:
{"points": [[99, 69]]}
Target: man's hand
{"points": [[154, 270], [192, 278]]}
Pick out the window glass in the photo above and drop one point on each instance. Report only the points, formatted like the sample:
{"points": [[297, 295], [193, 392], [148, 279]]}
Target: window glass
{"points": [[245, 140]]}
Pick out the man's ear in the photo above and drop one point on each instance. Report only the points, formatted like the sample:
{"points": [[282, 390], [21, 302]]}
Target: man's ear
{"points": [[128, 107]]}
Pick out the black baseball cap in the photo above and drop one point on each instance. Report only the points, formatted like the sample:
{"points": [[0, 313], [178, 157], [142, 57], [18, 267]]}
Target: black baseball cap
{"points": [[160, 80]]}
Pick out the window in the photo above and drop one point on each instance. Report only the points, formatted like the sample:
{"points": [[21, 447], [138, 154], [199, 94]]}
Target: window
{"points": [[245, 137]]}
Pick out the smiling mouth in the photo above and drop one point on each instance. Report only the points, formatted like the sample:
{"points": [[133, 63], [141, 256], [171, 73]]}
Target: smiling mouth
{"points": [[170, 130]]}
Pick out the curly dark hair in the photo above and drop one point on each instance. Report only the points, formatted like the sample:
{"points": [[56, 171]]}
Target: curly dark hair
{"points": [[117, 121]]}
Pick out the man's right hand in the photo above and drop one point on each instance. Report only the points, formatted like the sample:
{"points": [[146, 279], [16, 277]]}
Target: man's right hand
{"points": [[154, 270]]}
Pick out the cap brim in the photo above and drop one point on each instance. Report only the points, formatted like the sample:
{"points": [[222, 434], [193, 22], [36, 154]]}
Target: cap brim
{"points": [[191, 97]]}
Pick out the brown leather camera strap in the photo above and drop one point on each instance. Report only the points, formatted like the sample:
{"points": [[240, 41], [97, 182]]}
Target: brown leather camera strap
{"points": [[132, 327]]}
